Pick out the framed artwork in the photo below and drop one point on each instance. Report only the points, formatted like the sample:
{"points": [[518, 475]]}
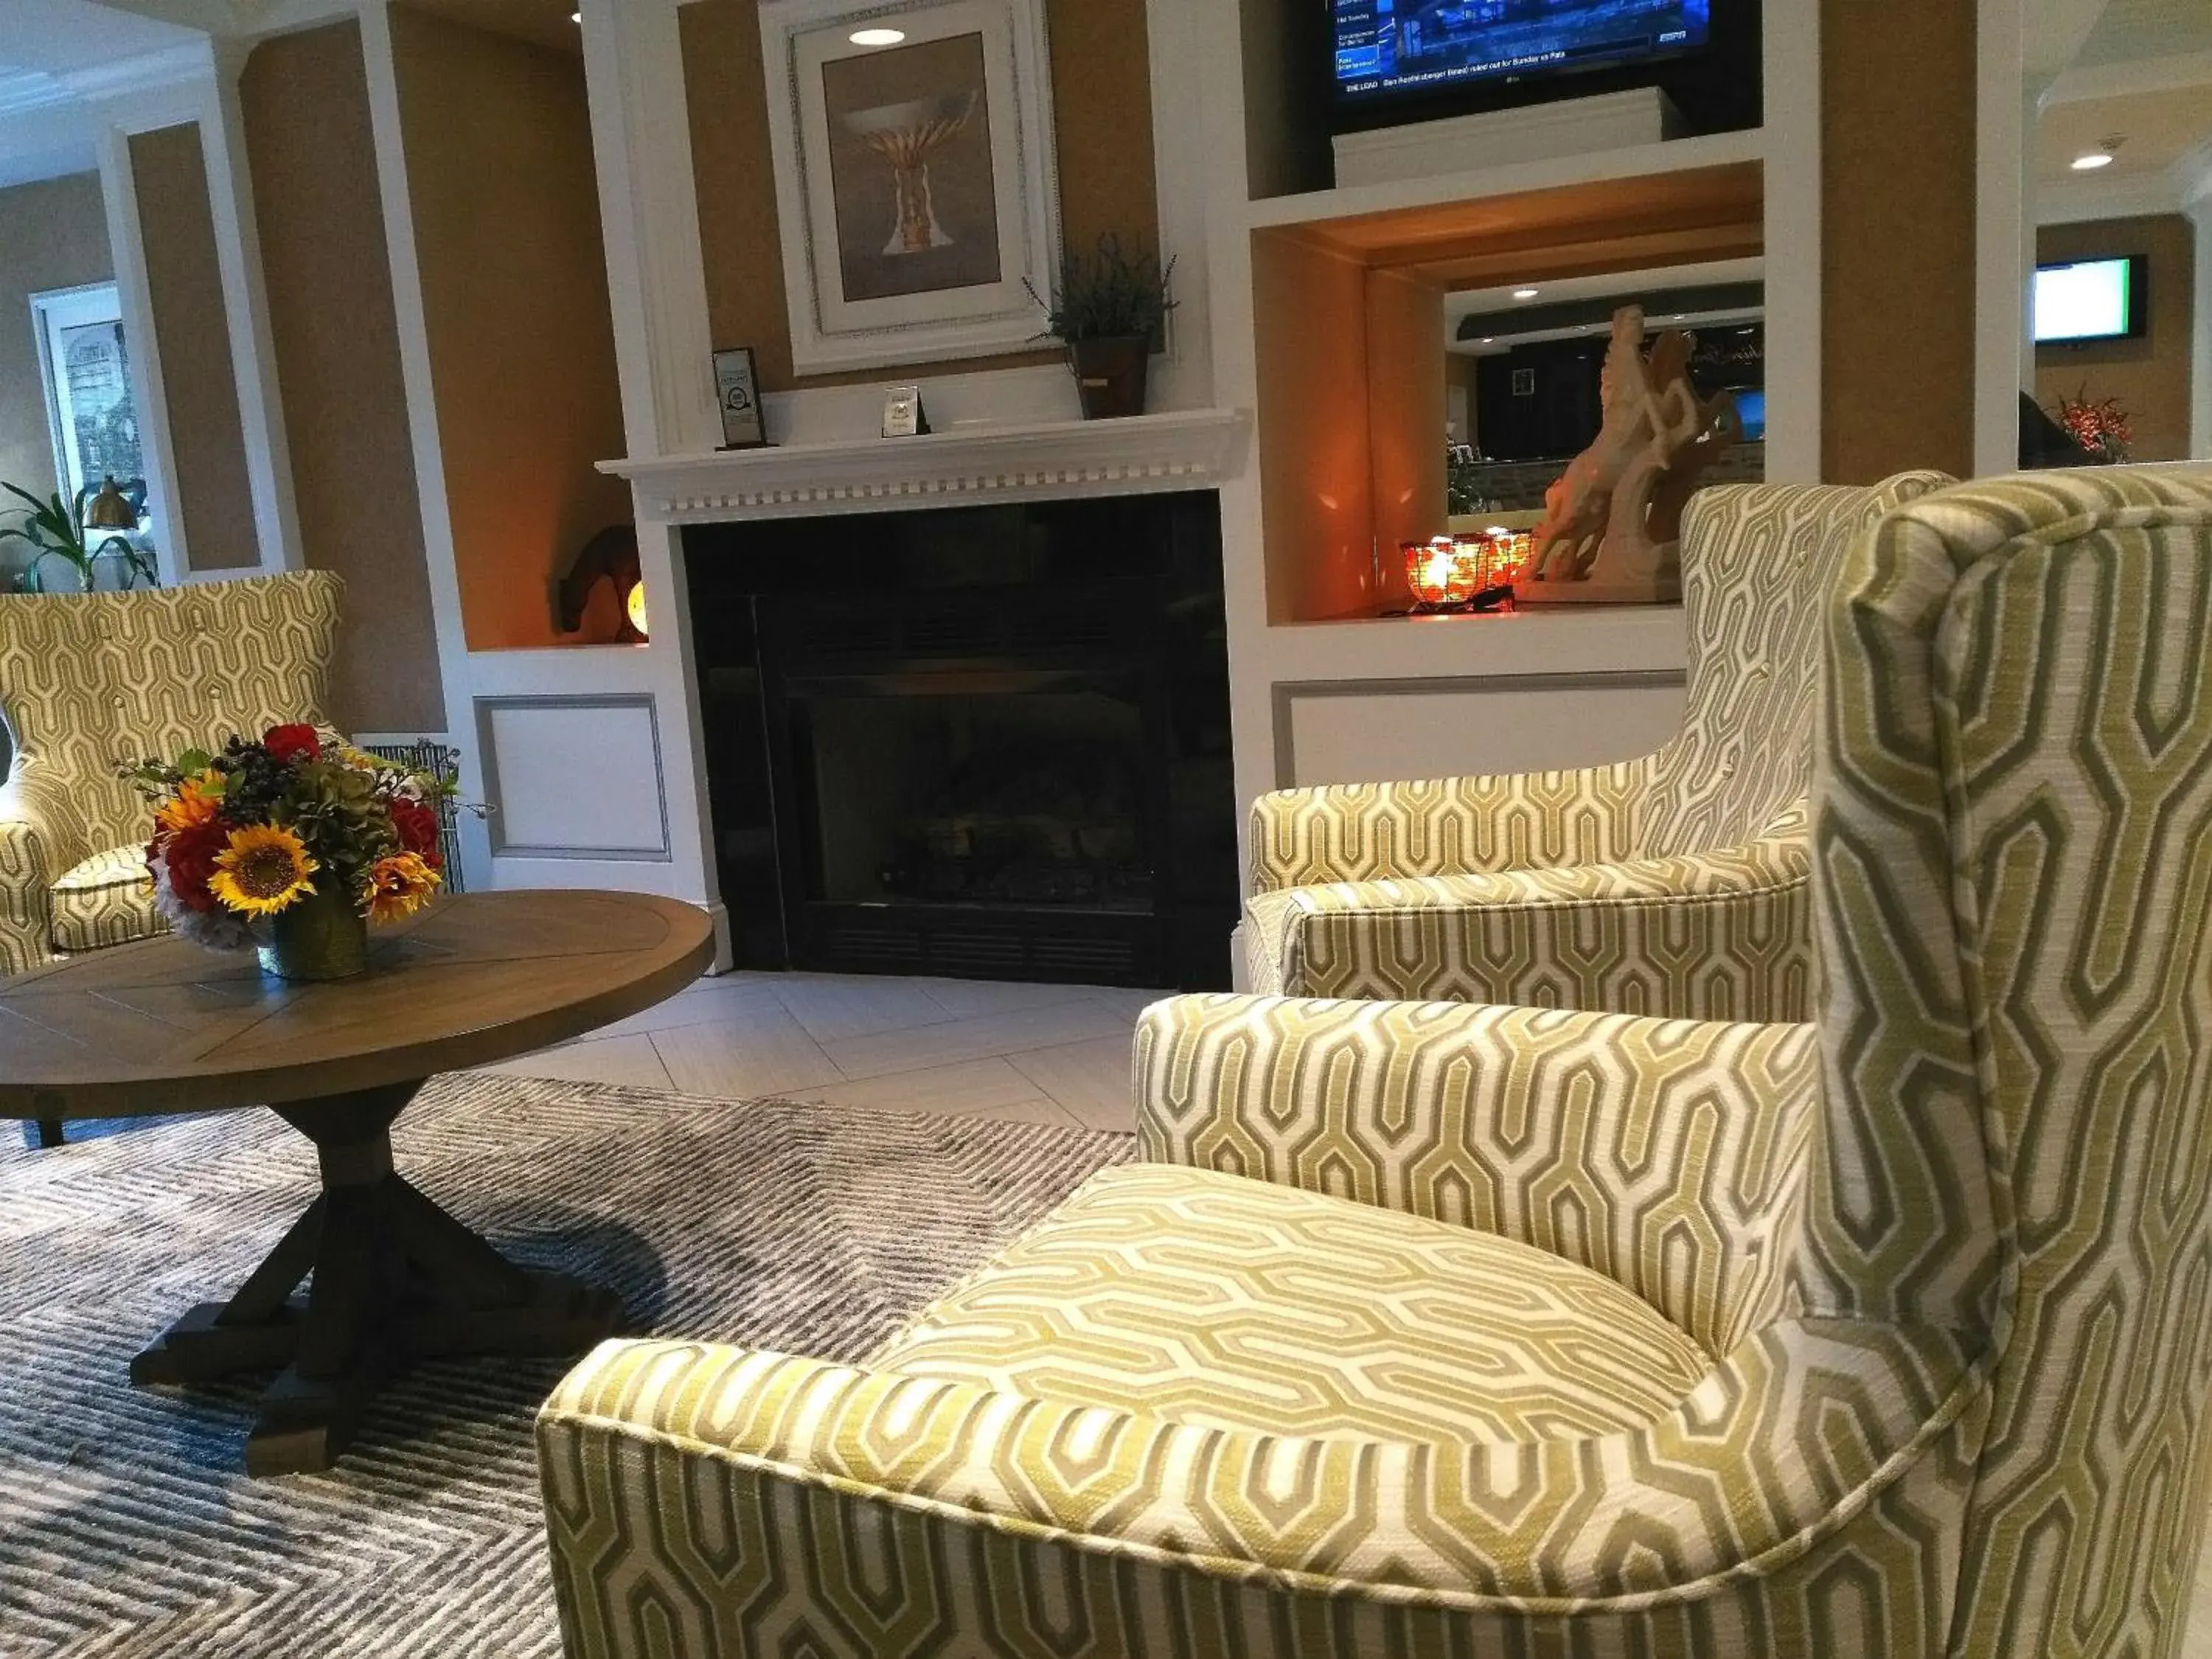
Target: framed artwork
{"points": [[737, 389], [915, 182]]}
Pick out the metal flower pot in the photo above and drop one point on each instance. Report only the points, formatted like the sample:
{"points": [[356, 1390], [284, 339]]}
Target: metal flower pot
{"points": [[321, 937], [1109, 374]]}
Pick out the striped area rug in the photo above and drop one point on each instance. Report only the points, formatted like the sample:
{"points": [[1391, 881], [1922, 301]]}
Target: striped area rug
{"points": [[126, 1525]]}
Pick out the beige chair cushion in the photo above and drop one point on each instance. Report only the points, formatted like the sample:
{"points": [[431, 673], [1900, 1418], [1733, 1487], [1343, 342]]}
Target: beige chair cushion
{"points": [[1208, 1299], [106, 900]]}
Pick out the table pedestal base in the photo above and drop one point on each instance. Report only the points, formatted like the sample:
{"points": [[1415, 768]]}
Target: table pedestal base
{"points": [[395, 1279]]}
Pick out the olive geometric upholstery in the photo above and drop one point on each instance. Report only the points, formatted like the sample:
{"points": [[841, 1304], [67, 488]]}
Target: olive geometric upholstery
{"points": [[1886, 1335], [91, 680], [1673, 884]]}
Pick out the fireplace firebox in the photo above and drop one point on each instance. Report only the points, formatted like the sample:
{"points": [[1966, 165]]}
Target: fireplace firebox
{"points": [[978, 742]]}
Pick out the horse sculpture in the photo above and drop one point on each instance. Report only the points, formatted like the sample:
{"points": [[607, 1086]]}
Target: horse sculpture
{"points": [[1613, 524]]}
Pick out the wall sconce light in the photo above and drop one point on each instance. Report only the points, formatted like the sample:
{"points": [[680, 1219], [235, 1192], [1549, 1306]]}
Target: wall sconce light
{"points": [[610, 556]]}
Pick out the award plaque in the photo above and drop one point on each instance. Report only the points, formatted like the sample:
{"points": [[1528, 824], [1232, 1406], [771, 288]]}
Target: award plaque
{"points": [[902, 413], [737, 389]]}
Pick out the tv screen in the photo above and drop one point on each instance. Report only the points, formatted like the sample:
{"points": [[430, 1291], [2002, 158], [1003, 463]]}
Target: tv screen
{"points": [[1751, 409], [1389, 49], [2088, 300]]}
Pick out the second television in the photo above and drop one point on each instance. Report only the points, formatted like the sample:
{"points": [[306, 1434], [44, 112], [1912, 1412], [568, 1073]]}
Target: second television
{"points": [[1386, 51]]}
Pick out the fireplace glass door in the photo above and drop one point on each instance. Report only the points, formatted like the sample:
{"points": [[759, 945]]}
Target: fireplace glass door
{"points": [[1022, 790]]}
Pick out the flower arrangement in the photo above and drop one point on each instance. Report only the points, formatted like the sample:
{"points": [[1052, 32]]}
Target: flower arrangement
{"points": [[2102, 427], [261, 829]]}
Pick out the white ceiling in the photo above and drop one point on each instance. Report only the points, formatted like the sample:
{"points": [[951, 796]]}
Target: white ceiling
{"points": [[1627, 286], [2139, 30], [1622, 285], [2141, 84], [52, 37]]}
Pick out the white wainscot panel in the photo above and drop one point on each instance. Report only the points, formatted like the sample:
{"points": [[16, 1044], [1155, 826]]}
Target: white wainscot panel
{"points": [[573, 777], [1391, 732]]}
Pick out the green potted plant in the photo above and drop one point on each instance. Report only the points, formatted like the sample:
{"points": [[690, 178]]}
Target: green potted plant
{"points": [[55, 529], [1108, 309]]}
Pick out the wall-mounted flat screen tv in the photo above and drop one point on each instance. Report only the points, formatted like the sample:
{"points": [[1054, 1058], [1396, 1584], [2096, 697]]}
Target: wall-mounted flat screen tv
{"points": [[2089, 300], [1389, 50]]}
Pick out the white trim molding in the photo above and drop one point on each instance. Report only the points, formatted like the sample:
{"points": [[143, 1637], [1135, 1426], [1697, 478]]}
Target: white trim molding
{"points": [[1187, 450], [2004, 244]]}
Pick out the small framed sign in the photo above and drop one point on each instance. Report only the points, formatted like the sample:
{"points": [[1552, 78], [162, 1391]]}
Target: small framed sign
{"points": [[737, 389], [902, 413]]}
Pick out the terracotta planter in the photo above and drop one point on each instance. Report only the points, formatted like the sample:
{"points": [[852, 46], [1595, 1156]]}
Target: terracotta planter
{"points": [[1109, 374], [320, 938]]}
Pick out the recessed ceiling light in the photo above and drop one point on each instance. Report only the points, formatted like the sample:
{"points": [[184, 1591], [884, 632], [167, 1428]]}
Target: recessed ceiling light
{"points": [[575, 17], [877, 37], [2093, 160], [1526, 293], [1488, 339]]}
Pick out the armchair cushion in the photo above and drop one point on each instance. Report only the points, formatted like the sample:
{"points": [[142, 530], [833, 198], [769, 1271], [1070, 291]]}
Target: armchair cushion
{"points": [[1714, 935], [105, 899], [1196, 1298], [1445, 826]]}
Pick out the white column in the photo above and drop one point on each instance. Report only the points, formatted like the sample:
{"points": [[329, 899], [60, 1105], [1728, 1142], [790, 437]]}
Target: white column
{"points": [[649, 217], [2003, 225], [2197, 205], [1791, 43], [118, 193], [245, 304], [657, 282]]}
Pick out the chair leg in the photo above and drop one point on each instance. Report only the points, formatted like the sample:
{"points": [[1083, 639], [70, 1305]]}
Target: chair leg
{"points": [[49, 1132]]}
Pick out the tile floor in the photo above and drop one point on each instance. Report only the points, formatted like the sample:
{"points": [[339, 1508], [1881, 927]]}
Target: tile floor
{"points": [[1039, 1053]]}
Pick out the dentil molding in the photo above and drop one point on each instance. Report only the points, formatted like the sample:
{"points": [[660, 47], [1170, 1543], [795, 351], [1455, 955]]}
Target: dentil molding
{"points": [[1194, 449]]}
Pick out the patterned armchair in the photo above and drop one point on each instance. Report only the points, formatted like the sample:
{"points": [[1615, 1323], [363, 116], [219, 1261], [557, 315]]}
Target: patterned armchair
{"points": [[1432, 1329], [88, 680], [1673, 884]]}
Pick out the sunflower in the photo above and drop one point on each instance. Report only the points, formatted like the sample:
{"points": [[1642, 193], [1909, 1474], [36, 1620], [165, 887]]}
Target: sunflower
{"points": [[399, 886], [264, 870], [192, 805]]}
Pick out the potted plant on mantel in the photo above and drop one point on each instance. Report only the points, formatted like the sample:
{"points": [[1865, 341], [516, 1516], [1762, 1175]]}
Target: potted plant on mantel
{"points": [[1109, 309]]}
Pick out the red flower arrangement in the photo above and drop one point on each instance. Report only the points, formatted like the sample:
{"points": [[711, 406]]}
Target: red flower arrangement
{"points": [[245, 833], [2103, 427]]}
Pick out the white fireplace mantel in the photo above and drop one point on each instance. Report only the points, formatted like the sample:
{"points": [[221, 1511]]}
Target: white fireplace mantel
{"points": [[1191, 449]]}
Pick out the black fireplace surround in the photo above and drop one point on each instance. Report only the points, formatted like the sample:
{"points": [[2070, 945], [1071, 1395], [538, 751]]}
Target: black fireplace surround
{"points": [[981, 742]]}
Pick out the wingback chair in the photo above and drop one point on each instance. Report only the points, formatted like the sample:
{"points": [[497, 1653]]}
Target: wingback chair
{"points": [[1433, 1329], [1671, 883], [91, 680]]}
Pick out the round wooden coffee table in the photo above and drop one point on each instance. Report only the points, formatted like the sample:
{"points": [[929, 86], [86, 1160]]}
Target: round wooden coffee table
{"points": [[162, 1026]]}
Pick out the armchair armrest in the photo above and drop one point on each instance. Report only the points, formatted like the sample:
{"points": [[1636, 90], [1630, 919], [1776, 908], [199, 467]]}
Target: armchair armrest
{"points": [[1717, 935], [1668, 1155], [42, 836], [1445, 826], [697, 1495]]}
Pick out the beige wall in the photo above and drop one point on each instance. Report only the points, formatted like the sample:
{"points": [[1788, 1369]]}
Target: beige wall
{"points": [[2149, 375], [184, 283], [57, 238], [514, 290], [1897, 265], [313, 162], [1102, 116], [1309, 313]]}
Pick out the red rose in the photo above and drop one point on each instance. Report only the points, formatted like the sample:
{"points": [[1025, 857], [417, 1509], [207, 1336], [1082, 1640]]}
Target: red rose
{"points": [[417, 828], [291, 743], [191, 854]]}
